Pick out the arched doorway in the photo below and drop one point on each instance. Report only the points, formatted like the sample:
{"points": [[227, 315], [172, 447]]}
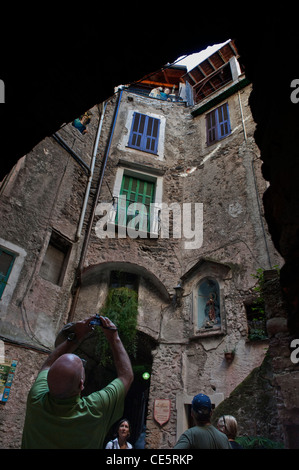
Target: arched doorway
{"points": [[136, 403]]}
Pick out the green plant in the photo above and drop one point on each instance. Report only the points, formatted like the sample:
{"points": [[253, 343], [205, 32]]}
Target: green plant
{"points": [[230, 349], [257, 322], [257, 334], [258, 289], [259, 303], [121, 307], [258, 442]]}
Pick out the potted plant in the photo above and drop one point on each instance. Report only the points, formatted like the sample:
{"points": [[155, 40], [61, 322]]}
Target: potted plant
{"points": [[229, 354]]}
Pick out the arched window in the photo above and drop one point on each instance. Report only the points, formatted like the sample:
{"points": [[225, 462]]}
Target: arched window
{"points": [[208, 305]]}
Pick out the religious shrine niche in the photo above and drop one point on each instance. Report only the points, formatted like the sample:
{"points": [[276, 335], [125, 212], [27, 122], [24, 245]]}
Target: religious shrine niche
{"points": [[208, 304], [205, 281]]}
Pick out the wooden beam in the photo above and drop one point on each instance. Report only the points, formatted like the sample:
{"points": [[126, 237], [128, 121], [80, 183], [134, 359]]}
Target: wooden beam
{"points": [[221, 56], [204, 74], [232, 46], [211, 64], [156, 84]]}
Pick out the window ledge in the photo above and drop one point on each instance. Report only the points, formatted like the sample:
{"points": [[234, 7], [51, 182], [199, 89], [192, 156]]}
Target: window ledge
{"points": [[116, 229], [203, 332]]}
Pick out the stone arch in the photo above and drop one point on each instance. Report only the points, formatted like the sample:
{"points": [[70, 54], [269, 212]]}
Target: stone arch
{"points": [[91, 273]]}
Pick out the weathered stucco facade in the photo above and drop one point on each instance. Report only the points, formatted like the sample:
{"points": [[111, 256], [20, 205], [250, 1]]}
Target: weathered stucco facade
{"points": [[220, 181]]}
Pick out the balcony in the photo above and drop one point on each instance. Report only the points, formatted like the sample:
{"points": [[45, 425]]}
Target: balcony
{"points": [[157, 95], [133, 219]]}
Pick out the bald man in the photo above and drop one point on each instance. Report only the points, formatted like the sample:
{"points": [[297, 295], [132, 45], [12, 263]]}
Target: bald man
{"points": [[56, 415]]}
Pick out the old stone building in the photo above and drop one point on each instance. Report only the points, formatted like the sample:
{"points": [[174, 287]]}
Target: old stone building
{"points": [[158, 189]]}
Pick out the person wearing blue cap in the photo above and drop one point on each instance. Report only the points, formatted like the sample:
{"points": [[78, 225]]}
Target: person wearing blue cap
{"points": [[203, 435]]}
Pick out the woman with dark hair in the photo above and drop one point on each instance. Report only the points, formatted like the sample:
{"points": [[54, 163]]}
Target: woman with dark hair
{"points": [[123, 433]]}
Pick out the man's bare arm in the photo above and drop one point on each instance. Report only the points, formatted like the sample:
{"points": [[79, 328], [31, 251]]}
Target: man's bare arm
{"points": [[120, 356]]}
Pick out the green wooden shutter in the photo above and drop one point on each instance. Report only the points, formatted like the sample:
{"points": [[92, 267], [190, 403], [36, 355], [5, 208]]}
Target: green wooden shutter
{"points": [[7, 260], [139, 196]]}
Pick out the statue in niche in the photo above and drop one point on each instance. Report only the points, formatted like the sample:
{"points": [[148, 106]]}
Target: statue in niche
{"points": [[212, 311], [208, 304]]}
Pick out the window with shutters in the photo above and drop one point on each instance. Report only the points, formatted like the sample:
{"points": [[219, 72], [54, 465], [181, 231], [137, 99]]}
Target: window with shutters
{"points": [[134, 205], [137, 197], [7, 260], [218, 124], [144, 133]]}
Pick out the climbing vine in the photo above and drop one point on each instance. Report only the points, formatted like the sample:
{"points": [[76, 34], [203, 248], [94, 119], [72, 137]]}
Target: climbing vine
{"points": [[121, 307]]}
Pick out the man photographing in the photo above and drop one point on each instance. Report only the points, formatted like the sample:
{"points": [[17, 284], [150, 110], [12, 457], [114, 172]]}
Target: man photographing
{"points": [[56, 415]]}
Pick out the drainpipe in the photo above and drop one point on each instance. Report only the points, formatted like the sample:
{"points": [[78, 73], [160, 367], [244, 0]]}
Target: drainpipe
{"points": [[255, 186], [95, 202], [242, 117], [92, 165], [260, 213]]}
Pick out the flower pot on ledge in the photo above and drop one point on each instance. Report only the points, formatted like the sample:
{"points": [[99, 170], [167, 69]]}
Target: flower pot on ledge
{"points": [[229, 356]]}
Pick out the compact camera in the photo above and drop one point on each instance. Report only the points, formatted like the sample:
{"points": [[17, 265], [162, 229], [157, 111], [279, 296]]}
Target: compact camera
{"points": [[97, 321]]}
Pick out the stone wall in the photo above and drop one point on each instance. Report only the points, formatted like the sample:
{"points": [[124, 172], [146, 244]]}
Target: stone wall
{"points": [[44, 193], [285, 370], [226, 178], [266, 403], [223, 177], [12, 413]]}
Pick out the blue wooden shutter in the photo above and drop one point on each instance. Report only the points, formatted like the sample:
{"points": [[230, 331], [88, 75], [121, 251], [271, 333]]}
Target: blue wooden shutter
{"points": [[218, 124], [137, 130], [144, 133], [223, 121], [151, 136], [211, 127]]}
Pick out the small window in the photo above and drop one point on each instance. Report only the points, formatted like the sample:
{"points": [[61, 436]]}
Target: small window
{"points": [[123, 279], [218, 124], [144, 133], [256, 320], [7, 260], [55, 261]]}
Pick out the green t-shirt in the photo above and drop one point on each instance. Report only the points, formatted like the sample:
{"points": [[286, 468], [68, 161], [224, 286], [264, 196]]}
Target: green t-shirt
{"points": [[72, 423], [203, 437]]}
